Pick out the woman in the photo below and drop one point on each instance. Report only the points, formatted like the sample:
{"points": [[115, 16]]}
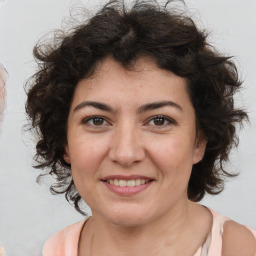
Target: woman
{"points": [[135, 116]]}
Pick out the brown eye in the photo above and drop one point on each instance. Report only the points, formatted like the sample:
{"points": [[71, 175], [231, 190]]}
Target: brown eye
{"points": [[98, 121], [159, 121], [94, 121]]}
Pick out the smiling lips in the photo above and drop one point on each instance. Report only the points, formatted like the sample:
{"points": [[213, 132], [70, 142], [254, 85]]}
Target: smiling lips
{"points": [[127, 185]]}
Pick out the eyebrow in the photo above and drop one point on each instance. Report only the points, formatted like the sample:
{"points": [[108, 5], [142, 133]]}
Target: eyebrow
{"points": [[159, 104], [94, 104], [144, 108]]}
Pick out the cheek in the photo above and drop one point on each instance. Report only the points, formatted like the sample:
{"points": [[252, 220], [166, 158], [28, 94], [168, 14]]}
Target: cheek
{"points": [[86, 156], [174, 159], [85, 161], [173, 153]]}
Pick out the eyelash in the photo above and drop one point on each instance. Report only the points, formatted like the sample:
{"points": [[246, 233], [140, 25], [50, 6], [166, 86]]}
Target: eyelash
{"points": [[164, 118], [93, 118], [167, 121]]}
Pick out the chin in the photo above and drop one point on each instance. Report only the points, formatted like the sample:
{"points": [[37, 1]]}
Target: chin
{"points": [[130, 217]]}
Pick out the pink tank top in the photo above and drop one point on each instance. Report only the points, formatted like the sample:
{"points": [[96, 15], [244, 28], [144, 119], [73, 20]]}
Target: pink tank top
{"points": [[65, 242]]}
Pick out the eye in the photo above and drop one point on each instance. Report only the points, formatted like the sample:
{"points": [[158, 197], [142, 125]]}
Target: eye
{"points": [[160, 121], [95, 121]]}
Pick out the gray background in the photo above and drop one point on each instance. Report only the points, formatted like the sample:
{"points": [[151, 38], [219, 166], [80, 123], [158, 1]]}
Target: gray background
{"points": [[29, 214]]}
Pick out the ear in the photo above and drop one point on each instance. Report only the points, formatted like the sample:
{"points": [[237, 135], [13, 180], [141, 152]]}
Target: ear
{"points": [[200, 146], [66, 155]]}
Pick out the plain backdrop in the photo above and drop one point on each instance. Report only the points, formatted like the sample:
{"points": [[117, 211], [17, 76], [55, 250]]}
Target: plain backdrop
{"points": [[29, 214]]}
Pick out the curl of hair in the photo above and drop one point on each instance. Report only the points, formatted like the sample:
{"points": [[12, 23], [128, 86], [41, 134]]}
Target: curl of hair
{"points": [[145, 29]]}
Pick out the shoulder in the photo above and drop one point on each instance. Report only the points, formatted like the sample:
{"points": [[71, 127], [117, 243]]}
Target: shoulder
{"points": [[64, 242], [237, 240]]}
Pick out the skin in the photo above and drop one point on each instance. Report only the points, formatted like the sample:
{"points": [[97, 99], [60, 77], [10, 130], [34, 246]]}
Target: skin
{"points": [[237, 240], [2, 91], [2, 96], [125, 138]]}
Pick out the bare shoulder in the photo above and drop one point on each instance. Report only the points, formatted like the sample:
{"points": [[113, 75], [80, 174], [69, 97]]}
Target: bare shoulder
{"points": [[238, 240]]}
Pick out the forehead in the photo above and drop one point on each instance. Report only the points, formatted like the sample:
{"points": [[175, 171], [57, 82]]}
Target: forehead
{"points": [[143, 73], [142, 83]]}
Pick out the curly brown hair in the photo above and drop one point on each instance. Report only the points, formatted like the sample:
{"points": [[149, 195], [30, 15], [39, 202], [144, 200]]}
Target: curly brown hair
{"points": [[146, 29]]}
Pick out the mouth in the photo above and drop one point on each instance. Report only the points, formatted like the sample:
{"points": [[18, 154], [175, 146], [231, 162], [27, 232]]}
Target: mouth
{"points": [[127, 183], [124, 185]]}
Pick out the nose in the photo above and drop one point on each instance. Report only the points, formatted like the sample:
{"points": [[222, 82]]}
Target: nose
{"points": [[126, 146]]}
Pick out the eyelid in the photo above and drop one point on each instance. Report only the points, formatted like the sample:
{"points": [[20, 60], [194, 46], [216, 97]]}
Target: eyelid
{"points": [[89, 118], [170, 120]]}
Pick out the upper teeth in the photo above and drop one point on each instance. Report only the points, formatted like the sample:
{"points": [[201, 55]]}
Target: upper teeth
{"points": [[127, 183]]}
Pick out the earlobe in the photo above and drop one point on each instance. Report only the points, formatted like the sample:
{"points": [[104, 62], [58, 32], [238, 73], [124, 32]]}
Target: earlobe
{"points": [[66, 155], [200, 146]]}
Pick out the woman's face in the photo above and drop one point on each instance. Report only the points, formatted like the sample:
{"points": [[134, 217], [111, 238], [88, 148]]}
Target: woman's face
{"points": [[132, 142]]}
